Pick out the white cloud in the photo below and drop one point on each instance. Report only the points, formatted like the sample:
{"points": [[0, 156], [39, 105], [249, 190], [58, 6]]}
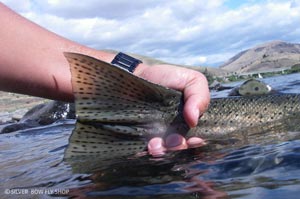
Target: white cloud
{"points": [[202, 59], [181, 31]]}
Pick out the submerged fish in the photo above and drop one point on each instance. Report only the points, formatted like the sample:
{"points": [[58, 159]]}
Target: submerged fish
{"points": [[252, 87], [117, 112]]}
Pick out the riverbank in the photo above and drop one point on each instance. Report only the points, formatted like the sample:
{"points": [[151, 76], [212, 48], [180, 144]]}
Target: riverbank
{"points": [[14, 106]]}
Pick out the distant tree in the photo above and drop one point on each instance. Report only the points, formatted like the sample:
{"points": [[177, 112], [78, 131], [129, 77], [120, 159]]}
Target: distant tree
{"points": [[210, 78]]}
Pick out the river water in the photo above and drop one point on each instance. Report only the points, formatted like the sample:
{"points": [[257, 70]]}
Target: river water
{"points": [[32, 166]]}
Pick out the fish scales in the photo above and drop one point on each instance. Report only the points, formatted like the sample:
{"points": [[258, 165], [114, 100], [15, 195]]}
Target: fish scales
{"points": [[228, 114], [117, 112], [251, 119]]}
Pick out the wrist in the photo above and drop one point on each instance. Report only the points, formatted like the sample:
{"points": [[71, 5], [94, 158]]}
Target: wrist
{"points": [[128, 63], [109, 56], [139, 70]]}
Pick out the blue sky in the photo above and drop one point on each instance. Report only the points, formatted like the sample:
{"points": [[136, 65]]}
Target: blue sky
{"points": [[235, 4], [191, 32]]}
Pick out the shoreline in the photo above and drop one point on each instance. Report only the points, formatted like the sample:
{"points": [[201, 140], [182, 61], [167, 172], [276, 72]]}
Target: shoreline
{"points": [[13, 106]]}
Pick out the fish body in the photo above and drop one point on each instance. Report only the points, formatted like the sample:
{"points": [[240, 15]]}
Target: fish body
{"points": [[250, 119], [118, 112], [252, 87]]}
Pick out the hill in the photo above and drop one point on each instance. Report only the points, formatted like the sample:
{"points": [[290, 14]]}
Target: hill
{"points": [[269, 56]]}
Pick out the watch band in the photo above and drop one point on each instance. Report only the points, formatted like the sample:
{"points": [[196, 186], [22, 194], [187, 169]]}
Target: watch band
{"points": [[126, 62]]}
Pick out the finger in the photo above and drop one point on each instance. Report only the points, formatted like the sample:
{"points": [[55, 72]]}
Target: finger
{"points": [[195, 142], [196, 96], [175, 142], [194, 107], [156, 147], [192, 83]]}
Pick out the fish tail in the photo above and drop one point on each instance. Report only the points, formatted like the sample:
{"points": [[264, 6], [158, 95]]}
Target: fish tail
{"points": [[115, 109]]}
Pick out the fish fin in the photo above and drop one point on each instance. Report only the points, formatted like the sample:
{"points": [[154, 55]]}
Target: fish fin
{"points": [[88, 140], [115, 109], [106, 93]]}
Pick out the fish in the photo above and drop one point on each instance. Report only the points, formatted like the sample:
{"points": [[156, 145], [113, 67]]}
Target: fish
{"points": [[252, 87], [118, 112]]}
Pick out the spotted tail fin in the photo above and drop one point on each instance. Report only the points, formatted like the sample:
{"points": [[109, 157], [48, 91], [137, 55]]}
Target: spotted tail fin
{"points": [[115, 109]]}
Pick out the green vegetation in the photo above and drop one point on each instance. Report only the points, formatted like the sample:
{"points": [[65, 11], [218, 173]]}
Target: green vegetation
{"points": [[210, 78], [295, 68]]}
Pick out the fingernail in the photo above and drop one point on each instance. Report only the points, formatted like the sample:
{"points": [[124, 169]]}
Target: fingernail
{"points": [[195, 117], [195, 142], [197, 113], [173, 140], [156, 147], [155, 143]]}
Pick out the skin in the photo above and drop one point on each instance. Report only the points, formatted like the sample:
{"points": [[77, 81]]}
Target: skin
{"points": [[32, 63]]}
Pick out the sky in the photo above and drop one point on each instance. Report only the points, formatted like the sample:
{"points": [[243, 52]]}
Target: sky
{"points": [[189, 32]]}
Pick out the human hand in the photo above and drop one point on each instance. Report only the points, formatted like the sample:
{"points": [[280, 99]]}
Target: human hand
{"points": [[196, 99]]}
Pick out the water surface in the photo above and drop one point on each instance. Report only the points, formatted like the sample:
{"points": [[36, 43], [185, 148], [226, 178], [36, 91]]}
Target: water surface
{"points": [[32, 166]]}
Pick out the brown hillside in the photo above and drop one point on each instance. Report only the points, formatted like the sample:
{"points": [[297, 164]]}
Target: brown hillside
{"points": [[265, 57]]}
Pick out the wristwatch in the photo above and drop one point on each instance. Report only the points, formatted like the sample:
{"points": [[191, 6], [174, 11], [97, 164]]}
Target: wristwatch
{"points": [[126, 62]]}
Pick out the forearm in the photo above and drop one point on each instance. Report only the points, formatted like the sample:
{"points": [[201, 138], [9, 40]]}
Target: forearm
{"points": [[32, 60]]}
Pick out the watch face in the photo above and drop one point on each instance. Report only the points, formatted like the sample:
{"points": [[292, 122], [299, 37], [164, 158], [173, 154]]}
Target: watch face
{"points": [[125, 61]]}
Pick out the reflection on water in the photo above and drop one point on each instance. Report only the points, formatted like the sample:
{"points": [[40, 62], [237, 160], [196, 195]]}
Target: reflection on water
{"points": [[33, 160]]}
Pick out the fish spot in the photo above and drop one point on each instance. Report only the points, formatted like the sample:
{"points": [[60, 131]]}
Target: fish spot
{"points": [[82, 61]]}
